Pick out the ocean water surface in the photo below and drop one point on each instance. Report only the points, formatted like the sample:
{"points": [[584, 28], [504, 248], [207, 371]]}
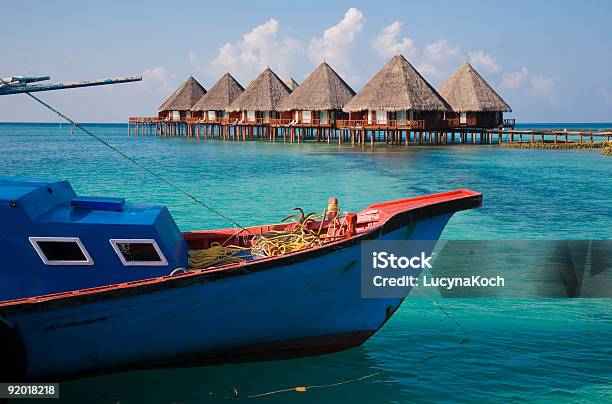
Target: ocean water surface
{"points": [[488, 350]]}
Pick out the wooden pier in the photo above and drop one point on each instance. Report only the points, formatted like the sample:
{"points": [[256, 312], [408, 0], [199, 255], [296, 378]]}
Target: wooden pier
{"points": [[357, 132]]}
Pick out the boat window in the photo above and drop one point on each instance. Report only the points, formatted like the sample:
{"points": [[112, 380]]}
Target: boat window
{"points": [[61, 250], [138, 252]]}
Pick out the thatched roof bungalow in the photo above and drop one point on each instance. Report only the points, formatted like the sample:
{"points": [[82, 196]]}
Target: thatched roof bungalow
{"points": [[259, 102], [472, 99], [178, 105], [211, 107], [292, 84], [397, 96], [319, 100]]}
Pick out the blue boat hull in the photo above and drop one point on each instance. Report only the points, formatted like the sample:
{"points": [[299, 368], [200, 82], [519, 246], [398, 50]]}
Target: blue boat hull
{"points": [[305, 304]]}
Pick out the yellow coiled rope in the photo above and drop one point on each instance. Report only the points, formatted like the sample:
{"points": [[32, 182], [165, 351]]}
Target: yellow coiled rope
{"points": [[295, 237], [215, 256]]}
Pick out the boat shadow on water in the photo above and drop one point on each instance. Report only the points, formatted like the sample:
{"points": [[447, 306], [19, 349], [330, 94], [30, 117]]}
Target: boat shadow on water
{"points": [[351, 373]]}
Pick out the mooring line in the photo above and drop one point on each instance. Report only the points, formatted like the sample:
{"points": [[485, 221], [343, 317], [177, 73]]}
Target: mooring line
{"points": [[302, 389], [142, 166], [465, 334], [447, 314]]}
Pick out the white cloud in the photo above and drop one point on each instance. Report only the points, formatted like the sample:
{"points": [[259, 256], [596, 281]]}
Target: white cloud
{"points": [[542, 85], [158, 79], [192, 57], [427, 69], [515, 79], [440, 51], [263, 46], [483, 60], [335, 46], [437, 59], [387, 42]]}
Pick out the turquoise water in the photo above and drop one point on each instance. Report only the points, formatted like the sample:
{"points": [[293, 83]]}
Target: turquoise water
{"points": [[516, 349]]}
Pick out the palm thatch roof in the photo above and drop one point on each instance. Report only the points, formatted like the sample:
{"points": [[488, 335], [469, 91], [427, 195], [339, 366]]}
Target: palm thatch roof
{"points": [[322, 90], [220, 96], [264, 93], [397, 87], [292, 84], [184, 97], [466, 91]]}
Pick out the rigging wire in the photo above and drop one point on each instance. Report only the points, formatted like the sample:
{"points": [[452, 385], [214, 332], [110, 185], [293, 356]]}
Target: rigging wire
{"points": [[140, 165]]}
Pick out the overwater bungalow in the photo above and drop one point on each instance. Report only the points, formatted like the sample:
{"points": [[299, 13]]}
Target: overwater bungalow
{"points": [[397, 97], [318, 101], [292, 84], [475, 104], [178, 106], [211, 107], [259, 102]]}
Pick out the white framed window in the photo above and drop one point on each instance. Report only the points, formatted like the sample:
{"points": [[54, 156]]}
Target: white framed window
{"points": [[61, 250], [138, 252], [369, 117], [250, 116], [306, 116], [176, 115], [462, 117], [212, 115], [381, 117]]}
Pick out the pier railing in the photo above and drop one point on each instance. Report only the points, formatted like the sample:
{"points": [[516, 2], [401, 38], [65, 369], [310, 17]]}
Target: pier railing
{"points": [[145, 119], [281, 122], [388, 124], [301, 123], [458, 123], [256, 121], [349, 123], [217, 120], [409, 124]]}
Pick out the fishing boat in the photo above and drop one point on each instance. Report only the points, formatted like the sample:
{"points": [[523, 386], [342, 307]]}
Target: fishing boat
{"points": [[90, 285]]}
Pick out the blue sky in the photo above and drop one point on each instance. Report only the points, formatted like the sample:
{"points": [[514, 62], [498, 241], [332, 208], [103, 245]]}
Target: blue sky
{"points": [[550, 60]]}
